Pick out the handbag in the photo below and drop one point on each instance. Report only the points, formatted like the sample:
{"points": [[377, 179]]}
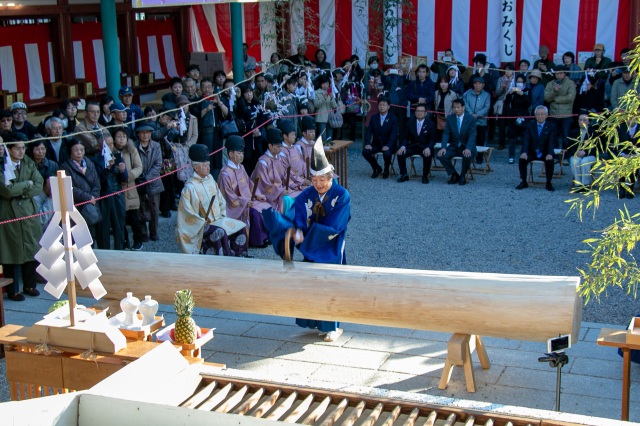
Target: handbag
{"points": [[168, 165], [229, 127], [335, 120], [91, 214], [142, 189], [144, 212], [441, 121]]}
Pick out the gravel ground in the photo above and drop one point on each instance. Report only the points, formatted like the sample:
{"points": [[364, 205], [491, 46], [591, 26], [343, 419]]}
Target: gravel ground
{"points": [[485, 226]]}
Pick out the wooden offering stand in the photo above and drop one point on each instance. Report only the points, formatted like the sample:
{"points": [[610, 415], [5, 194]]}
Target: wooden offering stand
{"points": [[145, 332], [191, 349]]}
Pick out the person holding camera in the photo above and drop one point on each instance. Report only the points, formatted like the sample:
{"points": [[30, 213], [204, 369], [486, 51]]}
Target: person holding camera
{"points": [[213, 112], [560, 94], [516, 104], [112, 176], [448, 60]]}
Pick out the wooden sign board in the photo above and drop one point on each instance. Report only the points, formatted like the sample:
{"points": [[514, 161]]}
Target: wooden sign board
{"points": [[6, 100], [147, 77], [52, 89], [404, 62], [68, 91], [85, 89]]}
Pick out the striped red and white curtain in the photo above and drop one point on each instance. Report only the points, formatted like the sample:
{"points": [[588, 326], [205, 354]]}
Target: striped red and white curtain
{"points": [[26, 59], [27, 62], [344, 27]]}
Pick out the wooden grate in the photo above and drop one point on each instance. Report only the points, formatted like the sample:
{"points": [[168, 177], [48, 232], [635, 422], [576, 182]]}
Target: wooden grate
{"points": [[307, 406]]}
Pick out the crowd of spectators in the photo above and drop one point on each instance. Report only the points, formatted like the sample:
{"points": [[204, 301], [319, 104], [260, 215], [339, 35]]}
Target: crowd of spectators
{"points": [[113, 144]]}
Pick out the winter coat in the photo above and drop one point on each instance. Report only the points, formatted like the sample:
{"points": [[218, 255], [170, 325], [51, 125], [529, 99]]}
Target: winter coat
{"points": [[151, 165], [132, 160], [85, 186], [560, 102], [324, 103], [477, 104], [19, 241]]}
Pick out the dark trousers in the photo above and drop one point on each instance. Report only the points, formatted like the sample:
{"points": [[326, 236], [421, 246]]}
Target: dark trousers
{"points": [[414, 150], [29, 276], [513, 133], [548, 167], [455, 151], [168, 196], [209, 136], [481, 138], [369, 155], [350, 120], [252, 151], [113, 221], [133, 220], [564, 127], [154, 203]]}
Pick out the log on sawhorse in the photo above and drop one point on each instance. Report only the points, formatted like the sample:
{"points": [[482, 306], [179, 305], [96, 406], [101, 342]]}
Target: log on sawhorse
{"points": [[468, 303], [459, 350]]}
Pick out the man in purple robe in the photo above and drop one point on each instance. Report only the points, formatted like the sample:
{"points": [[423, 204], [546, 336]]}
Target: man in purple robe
{"points": [[270, 171], [293, 162], [305, 143], [238, 190]]}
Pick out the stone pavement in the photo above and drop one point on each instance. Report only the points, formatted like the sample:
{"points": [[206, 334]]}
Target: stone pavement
{"points": [[399, 359]]}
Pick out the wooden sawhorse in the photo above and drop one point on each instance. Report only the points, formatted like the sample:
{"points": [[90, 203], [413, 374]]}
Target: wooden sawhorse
{"points": [[459, 350]]}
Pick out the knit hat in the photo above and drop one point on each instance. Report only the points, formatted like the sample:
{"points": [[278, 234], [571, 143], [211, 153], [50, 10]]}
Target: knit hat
{"points": [[319, 164], [307, 123], [274, 136], [198, 153], [18, 105], [234, 143], [543, 50]]}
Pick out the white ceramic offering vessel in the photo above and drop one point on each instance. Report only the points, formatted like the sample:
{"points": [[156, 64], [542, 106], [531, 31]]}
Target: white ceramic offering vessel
{"points": [[148, 308], [129, 306]]}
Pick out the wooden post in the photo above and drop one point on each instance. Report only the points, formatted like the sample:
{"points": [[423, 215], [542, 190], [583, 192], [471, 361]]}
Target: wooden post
{"points": [[68, 247]]}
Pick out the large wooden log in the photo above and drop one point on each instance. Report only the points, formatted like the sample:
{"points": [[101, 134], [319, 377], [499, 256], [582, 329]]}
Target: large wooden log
{"points": [[524, 307]]}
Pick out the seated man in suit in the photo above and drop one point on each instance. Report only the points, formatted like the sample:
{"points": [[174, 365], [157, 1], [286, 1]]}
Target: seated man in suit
{"points": [[419, 138], [381, 136], [538, 142], [458, 140]]}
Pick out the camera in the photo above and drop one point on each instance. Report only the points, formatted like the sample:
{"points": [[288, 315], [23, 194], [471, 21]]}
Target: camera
{"points": [[559, 344], [446, 58], [393, 71]]}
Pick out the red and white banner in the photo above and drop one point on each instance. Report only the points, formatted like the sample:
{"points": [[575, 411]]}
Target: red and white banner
{"points": [[26, 58], [344, 27]]}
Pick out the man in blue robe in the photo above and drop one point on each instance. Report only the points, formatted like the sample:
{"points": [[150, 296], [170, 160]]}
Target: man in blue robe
{"points": [[319, 215]]}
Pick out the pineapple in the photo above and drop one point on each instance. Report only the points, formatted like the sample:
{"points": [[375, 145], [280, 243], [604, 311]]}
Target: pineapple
{"points": [[185, 328]]}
